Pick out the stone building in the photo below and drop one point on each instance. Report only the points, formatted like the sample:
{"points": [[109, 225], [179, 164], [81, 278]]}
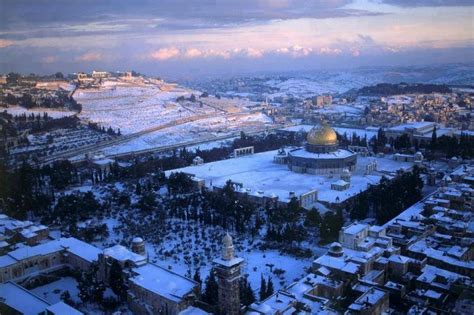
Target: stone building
{"points": [[156, 290], [228, 274], [374, 301], [46, 258]]}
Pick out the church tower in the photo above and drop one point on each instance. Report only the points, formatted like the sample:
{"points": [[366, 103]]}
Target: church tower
{"points": [[228, 278]]}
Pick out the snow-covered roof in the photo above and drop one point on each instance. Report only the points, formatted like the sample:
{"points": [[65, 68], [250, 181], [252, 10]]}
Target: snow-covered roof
{"points": [[338, 154], [355, 228], [399, 259], [191, 310], [72, 245], [277, 303], [431, 273], [38, 250], [228, 263], [339, 263], [122, 254], [369, 298], [432, 294], [104, 161], [163, 282], [376, 228], [412, 125], [81, 249], [137, 240], [21, 299], [424, 248], [340, 183], [62, 308], [6, 260]]}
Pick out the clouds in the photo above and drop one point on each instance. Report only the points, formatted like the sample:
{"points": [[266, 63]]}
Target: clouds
{"points": [[429, 3], [352, 48], [165, 53], [172, 14], [49, 59], [295, 51], [88, 57], [5, 43], [184, 34]]}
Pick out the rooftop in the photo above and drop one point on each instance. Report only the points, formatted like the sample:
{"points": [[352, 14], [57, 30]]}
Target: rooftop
{"points": [[163, 282], [355, 228], [340, 154], [72, 245], [30, 304], [122, 254], [370, 298], [62, 308]]}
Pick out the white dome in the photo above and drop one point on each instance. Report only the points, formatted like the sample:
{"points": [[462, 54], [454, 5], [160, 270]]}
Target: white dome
{"points": [[137, 240]]}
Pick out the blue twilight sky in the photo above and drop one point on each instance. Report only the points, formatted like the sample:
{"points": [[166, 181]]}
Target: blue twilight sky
{"points": [[212, 37]]}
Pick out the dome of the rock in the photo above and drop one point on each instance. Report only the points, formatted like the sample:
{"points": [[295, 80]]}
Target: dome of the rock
{"points": [[322, 135]]}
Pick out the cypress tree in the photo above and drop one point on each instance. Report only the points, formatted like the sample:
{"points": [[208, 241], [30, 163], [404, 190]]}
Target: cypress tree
{"points": [[197, 276], [434, 139], [247, 296], [270, 288], [263, 288], [116, 280], [210, 295]]}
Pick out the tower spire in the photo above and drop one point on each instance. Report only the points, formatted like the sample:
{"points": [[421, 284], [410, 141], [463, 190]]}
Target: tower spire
{"points": [[227, 248]]}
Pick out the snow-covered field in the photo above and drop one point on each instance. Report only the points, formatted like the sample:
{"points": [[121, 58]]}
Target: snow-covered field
{"points": [[131, 109], [322, 83], [202, 130], [154, 112], [136, 108]]}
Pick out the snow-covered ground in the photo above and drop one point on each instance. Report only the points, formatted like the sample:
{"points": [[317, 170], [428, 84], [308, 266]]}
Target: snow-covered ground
{"points": [[186, 246], [202, 130], [51, 292], [256, 262], [136, 108], [154, 112], [303, 84], [131, 109], [322, 82], [259, 175]]}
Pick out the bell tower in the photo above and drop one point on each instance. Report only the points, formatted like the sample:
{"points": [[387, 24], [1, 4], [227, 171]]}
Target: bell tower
{"points": [[227, 269]]}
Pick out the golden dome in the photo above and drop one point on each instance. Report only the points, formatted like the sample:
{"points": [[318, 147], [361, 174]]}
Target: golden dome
{"points": [[322, 135]]}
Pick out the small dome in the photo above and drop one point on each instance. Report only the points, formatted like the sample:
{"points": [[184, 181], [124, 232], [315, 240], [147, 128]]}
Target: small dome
{"points": [[137, 240], [335, 249], [322, 135]]}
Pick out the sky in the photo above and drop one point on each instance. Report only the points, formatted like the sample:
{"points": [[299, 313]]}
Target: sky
{"points": [[188, 38]]}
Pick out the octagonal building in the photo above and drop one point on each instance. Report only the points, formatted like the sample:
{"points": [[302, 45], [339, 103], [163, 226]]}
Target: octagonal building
{"points": [[321, 154]]}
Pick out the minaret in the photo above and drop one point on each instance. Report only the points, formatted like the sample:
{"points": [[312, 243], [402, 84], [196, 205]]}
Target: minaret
{"points": [[228, 278]]}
